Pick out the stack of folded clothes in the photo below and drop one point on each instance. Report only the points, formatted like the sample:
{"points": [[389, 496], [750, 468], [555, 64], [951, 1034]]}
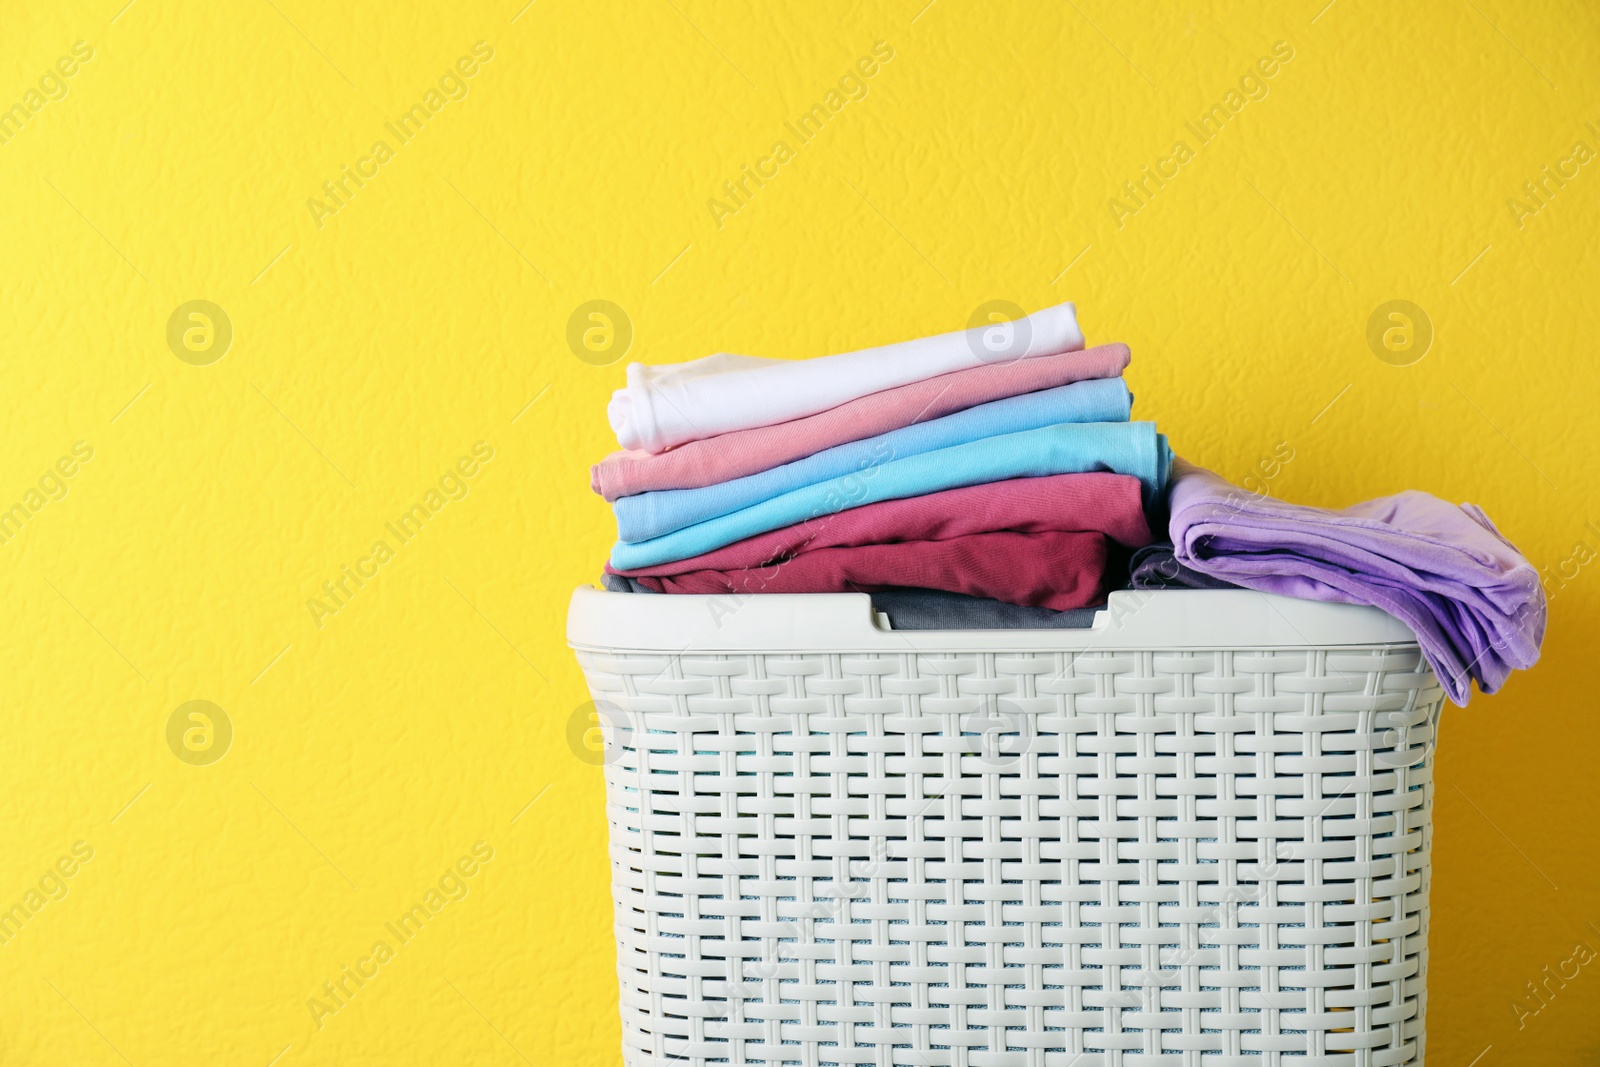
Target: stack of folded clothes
{"points": [[1007, 472], [969, 484]]}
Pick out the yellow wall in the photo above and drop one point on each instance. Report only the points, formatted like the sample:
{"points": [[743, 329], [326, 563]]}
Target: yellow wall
{"points": [[377, 339]]}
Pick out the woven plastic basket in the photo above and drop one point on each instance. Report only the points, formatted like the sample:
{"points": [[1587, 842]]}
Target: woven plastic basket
{"points": [[1197, 833]]}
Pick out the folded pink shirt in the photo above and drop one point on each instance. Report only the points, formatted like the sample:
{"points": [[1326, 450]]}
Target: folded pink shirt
{"points": [[698, 464], [1108, 505], [1053, 569]]}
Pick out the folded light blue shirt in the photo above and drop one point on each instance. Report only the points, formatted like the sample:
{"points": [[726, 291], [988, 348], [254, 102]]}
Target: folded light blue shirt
{"points": [[1133, 448], [647, 515]]}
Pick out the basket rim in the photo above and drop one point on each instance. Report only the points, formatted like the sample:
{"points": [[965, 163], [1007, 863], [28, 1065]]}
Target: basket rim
{"points": [[843, 623]]}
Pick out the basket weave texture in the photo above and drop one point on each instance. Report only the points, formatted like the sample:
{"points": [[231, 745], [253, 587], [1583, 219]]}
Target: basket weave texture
{"points": [[1128, 858]]}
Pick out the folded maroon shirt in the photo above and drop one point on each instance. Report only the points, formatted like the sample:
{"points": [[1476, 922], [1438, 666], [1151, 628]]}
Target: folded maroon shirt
{"points": [[1102, 503], [1052, 569], [1034, 541]]}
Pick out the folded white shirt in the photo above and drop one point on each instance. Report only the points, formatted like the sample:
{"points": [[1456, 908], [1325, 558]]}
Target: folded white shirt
{"points": [[670, 404]]}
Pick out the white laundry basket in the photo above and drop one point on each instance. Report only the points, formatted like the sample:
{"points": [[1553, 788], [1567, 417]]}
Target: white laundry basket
{"points": [[1197, 833]]}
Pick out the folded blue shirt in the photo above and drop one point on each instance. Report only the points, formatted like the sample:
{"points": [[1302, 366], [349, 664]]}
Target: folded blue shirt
{"points": [[655, 514], [1133, 448]]}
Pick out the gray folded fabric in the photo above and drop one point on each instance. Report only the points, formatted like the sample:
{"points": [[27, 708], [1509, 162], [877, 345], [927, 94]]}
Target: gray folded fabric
{"points": [[934, 609], [1156, 567]]}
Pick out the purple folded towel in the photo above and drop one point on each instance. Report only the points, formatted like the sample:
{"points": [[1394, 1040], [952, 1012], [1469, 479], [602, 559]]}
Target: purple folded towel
{"points": [[1473, 601]]}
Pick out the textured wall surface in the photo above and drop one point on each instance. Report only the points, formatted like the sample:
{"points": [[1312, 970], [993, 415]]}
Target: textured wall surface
{"points": [[182, 479]]}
